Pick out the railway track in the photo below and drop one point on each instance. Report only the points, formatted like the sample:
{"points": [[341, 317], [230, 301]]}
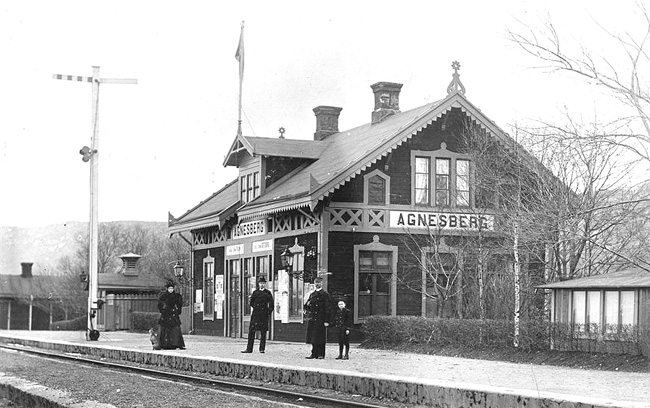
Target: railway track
{"points": [[264, 391]]}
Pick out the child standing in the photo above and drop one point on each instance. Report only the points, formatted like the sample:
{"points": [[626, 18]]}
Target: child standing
{"points": [[343, 322]]}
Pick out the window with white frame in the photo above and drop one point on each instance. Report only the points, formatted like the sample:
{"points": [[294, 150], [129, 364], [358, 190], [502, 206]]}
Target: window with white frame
{"points": [[375, 280], [619, 310], [208, 288], [462, 182], [422, 177], [441, 178], [296, 282], [586, 310], [249, 186]]}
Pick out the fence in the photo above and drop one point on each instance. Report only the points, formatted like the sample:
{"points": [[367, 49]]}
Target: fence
{"points": [[115, 315]]}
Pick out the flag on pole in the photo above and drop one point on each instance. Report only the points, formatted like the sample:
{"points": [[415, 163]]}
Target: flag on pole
{"points": [[239, 55]]}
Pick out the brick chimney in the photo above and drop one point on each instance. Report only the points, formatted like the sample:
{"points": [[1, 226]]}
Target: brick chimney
{"points": [[27, 269], [327, 121], [386, 100]]}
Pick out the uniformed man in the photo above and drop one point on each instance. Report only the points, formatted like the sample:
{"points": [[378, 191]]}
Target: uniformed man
{"points": [[262, 303], [317, 308]]}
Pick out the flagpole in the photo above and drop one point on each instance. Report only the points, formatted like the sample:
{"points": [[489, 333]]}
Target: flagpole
{"points": [[239, 55]]}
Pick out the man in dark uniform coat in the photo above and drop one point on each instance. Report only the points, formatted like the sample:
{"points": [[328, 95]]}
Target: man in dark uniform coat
{"points": [[262, 303], [317, 308]]}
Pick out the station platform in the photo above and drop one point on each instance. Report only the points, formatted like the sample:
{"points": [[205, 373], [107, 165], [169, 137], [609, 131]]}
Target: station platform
{"points": [[404, 377]]}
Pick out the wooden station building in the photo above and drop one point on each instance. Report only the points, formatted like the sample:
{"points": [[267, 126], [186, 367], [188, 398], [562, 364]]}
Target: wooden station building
{"points": [[342, 206]]}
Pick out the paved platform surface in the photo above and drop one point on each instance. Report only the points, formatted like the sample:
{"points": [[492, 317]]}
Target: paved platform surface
{"points": [[604, 388]]}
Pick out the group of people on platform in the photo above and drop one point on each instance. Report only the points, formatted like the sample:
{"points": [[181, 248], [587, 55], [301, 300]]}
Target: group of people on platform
{"points": [[317, 309]]}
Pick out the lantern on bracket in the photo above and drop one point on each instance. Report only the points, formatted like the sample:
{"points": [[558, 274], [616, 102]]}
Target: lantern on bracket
{"points": [[178, 269], [286, 259]]}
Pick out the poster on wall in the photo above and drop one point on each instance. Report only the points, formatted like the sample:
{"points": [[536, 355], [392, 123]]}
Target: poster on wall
{"points": [[218, 296], [198, 305], [283, 299]]}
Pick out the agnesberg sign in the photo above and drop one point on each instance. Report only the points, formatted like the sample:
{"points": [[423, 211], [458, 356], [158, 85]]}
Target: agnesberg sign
{"points": [[443, 221]]}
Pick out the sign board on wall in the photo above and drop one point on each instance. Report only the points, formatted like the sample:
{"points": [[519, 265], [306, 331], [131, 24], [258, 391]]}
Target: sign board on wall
{"points": [[249, 229], [234, 250], [441, 221], [263, 246], [198, 305], [218, 296], [283, 300]]}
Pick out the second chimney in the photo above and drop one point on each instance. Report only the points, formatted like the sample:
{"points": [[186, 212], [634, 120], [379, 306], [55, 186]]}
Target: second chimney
{"points": [[386, 100], [27, 269], [327, 121]]}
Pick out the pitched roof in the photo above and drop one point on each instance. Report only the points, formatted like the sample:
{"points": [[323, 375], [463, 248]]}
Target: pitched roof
{"points": [[118, 281], [215, 210], [17, 286], [267, 146], [351, 152], [337, 159], [629, 278]]}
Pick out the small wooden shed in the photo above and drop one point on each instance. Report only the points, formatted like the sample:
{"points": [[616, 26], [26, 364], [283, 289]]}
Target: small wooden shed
{"points": [[125, 292], [606, 313], [24, 300]]}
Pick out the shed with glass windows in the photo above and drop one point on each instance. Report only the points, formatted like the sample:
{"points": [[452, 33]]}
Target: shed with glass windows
{"points": [[388, 213], [604, 313]]}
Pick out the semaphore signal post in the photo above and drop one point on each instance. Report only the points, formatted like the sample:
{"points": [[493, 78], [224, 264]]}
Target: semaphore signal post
{"points": [[92, 154]]}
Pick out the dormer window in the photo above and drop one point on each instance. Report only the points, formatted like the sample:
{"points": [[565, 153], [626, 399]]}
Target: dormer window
{"points": [[249, 185], [441, 178]]}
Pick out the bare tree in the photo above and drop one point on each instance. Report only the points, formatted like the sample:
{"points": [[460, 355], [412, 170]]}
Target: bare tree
{"points": [[622, 74], [596, 212]]}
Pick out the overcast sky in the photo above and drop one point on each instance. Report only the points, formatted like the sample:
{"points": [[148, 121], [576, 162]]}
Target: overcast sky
{"points": [[163, 141]]}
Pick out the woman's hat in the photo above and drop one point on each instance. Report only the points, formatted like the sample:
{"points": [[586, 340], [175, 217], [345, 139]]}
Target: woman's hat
{"points": [[170, 283]]}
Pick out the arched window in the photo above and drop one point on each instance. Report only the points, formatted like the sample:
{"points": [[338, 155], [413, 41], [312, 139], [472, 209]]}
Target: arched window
{"points": [[376, 188]]}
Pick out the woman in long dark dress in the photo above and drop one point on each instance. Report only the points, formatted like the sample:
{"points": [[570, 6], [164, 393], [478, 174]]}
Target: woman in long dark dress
{"points": [[170, 305]]}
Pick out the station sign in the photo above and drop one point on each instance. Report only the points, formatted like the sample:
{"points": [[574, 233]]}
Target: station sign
{"points": [[441, 221], [249, 229]]}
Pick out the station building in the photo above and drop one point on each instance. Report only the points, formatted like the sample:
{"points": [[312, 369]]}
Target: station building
{"points": [[373, 210]]}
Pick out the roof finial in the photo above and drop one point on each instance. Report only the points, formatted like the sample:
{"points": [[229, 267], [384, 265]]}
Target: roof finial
{"points": [[281, 130], [455, 85]]}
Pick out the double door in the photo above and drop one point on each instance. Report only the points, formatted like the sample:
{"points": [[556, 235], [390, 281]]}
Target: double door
{"points": [[243, 274]]}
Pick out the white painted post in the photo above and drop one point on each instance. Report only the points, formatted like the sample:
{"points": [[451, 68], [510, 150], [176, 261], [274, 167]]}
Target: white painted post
{"points": [[93, 286]]}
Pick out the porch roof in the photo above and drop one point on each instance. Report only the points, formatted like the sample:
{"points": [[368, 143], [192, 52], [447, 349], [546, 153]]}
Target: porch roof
{"points": [[628, 278], [17, 286], [115, 281]]}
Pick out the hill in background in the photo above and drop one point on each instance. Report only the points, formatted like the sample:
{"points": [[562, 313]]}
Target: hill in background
{"points": [[44, 246]]}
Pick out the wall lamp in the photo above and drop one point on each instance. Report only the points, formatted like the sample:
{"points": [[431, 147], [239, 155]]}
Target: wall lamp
{"points": [[286, 259]]}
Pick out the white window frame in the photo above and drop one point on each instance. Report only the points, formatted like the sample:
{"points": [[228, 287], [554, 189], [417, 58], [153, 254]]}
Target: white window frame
{"points": [[375, 246], [296, 281], [600, 318], [208, 296], [249, 187], [442, 153]]}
